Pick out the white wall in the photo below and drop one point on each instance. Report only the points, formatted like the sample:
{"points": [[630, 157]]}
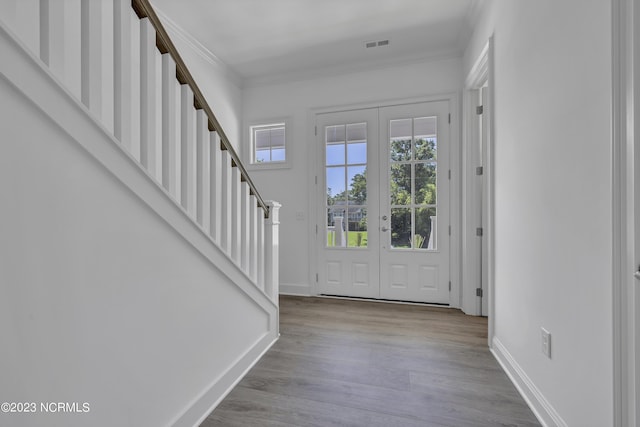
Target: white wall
{"points": [[296, 100], [553, 201], [221, 87], [109, 293]]}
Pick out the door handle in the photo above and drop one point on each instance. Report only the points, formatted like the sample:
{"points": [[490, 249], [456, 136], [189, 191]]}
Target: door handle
{"points": [[637, 275], [384, 217], [384, 229]]}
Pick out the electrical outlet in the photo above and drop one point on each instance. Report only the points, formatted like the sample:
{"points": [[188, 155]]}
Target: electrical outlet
{"points": [[546, 342]]}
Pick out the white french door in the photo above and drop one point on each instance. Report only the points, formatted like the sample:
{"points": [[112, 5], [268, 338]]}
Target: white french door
{"points": [[384, 203]]}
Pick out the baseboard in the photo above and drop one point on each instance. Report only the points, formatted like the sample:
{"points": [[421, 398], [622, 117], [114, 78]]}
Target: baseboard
{"points": [[200, 409], [296, 289], [541, 408]]}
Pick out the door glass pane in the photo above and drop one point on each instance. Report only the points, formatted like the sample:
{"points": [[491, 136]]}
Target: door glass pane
{"points": [[425, 233], [336, 226], [400, 184], [335, 154], [357, 132], [335, 134], [346, 185], [426, 149], [357, 185], [425, 183], [336, 191], [413, 182], [357, 228], [400, 137], [400, 228], [425, 138], [356, 152]]}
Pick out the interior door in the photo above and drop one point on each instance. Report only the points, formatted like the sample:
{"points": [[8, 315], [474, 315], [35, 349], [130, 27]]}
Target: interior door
{"points": [[414, 198], [348, 240], [384, 203]]}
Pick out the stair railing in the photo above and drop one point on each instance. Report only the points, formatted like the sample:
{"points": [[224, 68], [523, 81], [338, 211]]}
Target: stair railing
{"points": [[126, 70]]}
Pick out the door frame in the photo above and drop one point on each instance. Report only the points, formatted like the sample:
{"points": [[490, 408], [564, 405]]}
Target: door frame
{"points": [[455, 185], [625, 165], [481, 74]]}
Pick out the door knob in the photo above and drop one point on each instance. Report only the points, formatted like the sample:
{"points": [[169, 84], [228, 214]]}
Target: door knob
{"points": [[385, 229], [637, 275], [384, 217]]}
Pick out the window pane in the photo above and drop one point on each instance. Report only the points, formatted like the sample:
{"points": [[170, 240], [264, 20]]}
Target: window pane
{"points": [[262, 156], [336, 191], [400, 137], [425, 237], [277, 137], [425, 183], [336, 226], [426, 149], [400, 184], [357, 132], [424, 127], [357, 185], [357, 152], [262, 138], [277, 155], [401, 228], [334, 134], [357, 228], [335, 154]]}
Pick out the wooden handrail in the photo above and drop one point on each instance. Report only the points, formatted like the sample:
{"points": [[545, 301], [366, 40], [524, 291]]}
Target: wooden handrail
{"points": [[164, 44]]}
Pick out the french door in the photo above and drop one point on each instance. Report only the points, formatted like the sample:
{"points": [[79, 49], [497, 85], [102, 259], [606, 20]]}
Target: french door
{"points": [[384, 203]]}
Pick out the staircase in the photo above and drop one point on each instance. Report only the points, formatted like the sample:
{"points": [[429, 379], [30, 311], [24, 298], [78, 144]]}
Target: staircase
{"points": [[138, 261]]}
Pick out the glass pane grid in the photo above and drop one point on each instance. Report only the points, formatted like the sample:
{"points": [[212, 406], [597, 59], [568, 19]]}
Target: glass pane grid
{"points": [[346, 184], [413, 183]]}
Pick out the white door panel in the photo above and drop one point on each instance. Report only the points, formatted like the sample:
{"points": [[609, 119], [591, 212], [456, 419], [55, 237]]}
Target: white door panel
{"points": [[414, 200], [348, 253]]}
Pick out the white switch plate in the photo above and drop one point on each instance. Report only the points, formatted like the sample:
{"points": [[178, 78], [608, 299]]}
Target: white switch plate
{"points": [[546, 342], [299, 216]]}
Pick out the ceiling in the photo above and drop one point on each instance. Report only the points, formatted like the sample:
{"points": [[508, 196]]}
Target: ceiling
{"points": [[270, 39]]}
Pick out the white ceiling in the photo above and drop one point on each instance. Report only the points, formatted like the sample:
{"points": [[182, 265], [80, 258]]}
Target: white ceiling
{"points": [[267, 39]]}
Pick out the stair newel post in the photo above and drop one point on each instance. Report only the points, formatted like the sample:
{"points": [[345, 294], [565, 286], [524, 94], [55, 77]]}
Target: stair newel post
{"points": [[272, 250]]}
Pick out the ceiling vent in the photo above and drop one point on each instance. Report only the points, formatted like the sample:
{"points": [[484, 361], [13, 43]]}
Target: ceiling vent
{"points": [[379, 43]]}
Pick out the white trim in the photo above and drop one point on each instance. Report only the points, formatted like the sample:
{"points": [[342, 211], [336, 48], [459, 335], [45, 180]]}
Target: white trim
{"points": [[298, 289], [455, 185], [482, 73], [201, 407], [542, 409], [247, 144], [623, 122]]}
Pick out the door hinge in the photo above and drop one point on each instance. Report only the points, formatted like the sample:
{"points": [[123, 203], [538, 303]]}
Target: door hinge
{"points": [[316, 277], [449, 285], [316, 179], [479, 170], [449, 118], [449, 173], [479, 109], [479, 292], [449, 230], [479, 231], [316, 130], [316, 228]]}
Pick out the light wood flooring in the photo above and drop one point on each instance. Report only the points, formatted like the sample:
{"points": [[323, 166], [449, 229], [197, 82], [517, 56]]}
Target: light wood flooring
{"points": [[360, 363]]}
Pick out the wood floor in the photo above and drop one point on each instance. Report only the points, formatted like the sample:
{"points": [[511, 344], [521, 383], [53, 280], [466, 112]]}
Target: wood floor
{"points": [[359, 363]]}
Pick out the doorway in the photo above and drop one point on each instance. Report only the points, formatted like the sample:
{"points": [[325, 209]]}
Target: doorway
{"points": [[383, 202]]}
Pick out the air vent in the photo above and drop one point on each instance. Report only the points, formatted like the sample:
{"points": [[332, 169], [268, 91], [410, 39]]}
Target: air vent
{"points": [[378, 43]]}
